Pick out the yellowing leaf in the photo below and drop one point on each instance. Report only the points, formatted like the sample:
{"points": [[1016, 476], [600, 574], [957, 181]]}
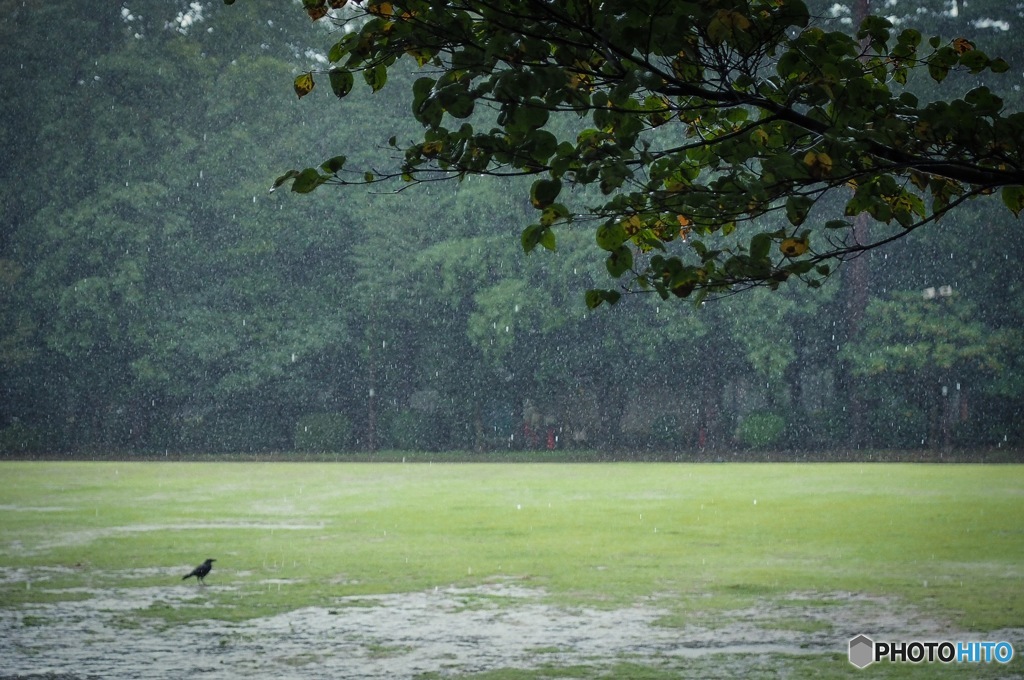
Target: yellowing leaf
{"points": [[384, 10], [633, 225], [919, 179], [725, 24], [431, 149], [962, 45], [304, 84], [581, 76], [685, 226], [819, 163], [661, 115], [318, 11], [793, 247], [422, 55]]}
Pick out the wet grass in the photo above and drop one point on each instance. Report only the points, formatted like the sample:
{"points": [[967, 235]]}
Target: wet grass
{"points": [[699, 540], [750, 667]]}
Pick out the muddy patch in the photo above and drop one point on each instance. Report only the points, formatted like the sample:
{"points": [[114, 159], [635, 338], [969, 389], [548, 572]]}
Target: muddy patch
{"points": [[447, 631]]}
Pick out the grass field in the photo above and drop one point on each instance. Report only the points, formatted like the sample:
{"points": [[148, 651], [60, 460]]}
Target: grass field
{"points": [[705, 546]]}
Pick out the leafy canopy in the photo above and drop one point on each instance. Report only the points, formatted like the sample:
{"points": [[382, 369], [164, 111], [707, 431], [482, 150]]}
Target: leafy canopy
{"points": [[717, 144]]}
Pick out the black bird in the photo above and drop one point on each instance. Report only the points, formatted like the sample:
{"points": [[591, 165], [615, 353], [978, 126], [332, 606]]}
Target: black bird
{"points": [[201, 571]]}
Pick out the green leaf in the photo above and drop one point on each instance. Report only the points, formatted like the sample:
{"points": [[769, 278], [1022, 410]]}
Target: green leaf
{"points": [[610, 236], [341, 81], [983, 101], [876, 29], [376, 77], [975, 61], [334, 165], [538, 234], [544, 192], [291, 174], [594, 298], [795, 12], [307, 180], [531, 236], [548, 240], [938, 73], [620, 261], [760, 246], [910, 37], [1013, 198], [461, 106], [797, 208], [527, 118]]}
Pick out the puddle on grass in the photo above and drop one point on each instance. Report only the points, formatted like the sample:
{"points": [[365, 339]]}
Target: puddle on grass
{"points": [[444, 631]]}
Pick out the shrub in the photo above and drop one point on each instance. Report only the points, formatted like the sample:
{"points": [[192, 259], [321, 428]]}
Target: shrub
{"points": [[760, 430], [413, 430], [897, 423], [19, 438], [231, 432], [322, 432], [666, 431]]}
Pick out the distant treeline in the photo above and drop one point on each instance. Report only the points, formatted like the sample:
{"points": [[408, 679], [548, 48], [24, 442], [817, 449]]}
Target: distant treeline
{"points": [[156, 299]]}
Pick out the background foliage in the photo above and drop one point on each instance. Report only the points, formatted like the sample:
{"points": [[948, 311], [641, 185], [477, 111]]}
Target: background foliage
{"points": [[154, 295]]}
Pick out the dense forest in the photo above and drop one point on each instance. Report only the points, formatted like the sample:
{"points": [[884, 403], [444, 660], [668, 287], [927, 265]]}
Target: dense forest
{"points": [[156, 296]]}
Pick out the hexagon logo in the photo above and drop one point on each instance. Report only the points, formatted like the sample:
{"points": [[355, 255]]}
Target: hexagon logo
{"points": [[862, 651]]}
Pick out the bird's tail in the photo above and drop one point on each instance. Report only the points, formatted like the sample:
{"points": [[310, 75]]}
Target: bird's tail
{"points": [[185, 577]]}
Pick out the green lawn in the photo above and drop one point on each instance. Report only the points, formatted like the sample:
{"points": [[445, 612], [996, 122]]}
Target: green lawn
{"points": [[702, 540]]}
